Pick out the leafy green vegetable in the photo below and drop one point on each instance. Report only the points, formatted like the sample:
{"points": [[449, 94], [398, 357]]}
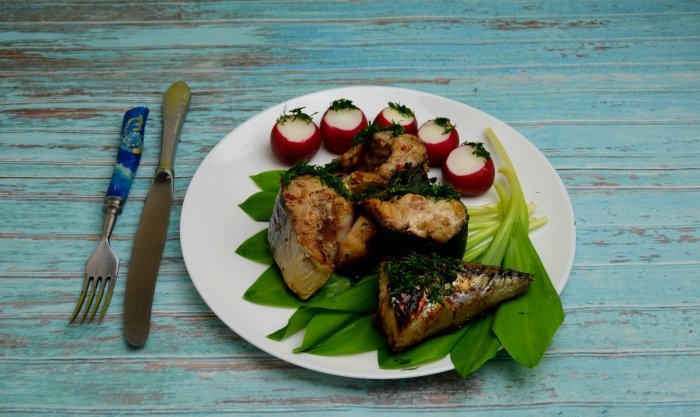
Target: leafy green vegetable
{"points": [[259, 206], [335, 285], [321, 326], [269, 289], [477, 345], [524, 325], [425, 352], [358, 298], [357, 336], [296, 323], [256, 248], [268, 180], [338, 294]]}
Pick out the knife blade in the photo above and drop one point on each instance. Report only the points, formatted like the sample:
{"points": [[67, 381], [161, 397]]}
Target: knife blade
{"points": [[149, 241]]}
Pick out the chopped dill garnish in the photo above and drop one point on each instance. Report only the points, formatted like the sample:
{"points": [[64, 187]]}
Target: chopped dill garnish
{"points": [[478, 149], [321, 172], [367, 133], [333, 166], [403, 110], [294, 114], [412, 180], [422, 273], [342, 104], [446, 124]]}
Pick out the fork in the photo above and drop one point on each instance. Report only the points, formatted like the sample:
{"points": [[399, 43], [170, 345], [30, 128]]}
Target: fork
{"points": [[102, 266]]}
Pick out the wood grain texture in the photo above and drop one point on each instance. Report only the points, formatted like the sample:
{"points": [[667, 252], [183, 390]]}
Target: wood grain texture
{"points": [[608, 91]]}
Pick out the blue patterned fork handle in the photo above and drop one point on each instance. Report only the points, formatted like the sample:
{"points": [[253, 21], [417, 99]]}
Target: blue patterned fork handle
{"points": [[128, 158]]}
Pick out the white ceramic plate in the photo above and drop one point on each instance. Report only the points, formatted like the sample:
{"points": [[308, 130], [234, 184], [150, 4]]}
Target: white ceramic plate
{"points": [[212, 225]]}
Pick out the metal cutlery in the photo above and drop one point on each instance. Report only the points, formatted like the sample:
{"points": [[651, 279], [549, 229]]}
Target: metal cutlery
{"points": [[102, 266], [153, 226]]}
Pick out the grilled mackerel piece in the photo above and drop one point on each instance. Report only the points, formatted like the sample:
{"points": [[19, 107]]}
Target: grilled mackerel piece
{"points": [[375, 162], [422, 295], [413, 222], [308, 223], [354, 252]]}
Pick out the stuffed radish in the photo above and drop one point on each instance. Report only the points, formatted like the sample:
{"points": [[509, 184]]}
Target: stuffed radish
{"points": [[340, 123], [440, 138], [469, 168], [398, 114], [295, 137]]}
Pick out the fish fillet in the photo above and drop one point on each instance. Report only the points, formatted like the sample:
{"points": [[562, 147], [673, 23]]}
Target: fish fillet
{"points": [[423, 295], [416, 222], [308, 223]]}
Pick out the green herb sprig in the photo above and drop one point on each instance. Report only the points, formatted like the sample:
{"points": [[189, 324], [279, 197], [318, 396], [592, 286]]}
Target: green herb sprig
{"points": [[294, 114], [411, 180], [366, 134], [323, 173], [342, 104], [478, 149], [402, 109], [420, 273], [446, 124]]}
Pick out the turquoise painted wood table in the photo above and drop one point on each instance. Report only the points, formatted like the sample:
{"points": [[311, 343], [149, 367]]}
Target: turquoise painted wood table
{"points": [[608, 91]]}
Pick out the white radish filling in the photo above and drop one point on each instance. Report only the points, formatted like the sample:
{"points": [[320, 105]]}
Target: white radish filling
{"points": [[393, 115], [344, 119], [296, 130], [432, 133], [462, 161]]}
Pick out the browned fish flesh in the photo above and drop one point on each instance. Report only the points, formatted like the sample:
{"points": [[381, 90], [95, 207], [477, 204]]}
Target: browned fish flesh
{"points": [[420, 223], [374, 162], [355, 248], [423, 295], [308, 222]]}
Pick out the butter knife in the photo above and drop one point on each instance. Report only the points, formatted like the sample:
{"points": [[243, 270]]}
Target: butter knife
{"points": [[153, 226]]}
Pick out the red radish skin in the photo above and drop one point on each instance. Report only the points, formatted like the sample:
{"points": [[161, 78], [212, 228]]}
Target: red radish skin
{"points": [[295, 137], [469, 168], [399, 114], [340, 124], [440, 137]]}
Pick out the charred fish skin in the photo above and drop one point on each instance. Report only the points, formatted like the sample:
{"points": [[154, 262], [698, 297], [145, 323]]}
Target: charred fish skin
{"points": [[444, 294], [308, 221]]}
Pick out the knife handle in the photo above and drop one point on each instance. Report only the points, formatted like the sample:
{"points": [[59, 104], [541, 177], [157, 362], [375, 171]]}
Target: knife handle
{"points": [[176, 102], [128, 159]]}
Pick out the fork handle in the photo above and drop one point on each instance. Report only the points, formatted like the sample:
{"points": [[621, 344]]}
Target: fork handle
{"points": [[128, 159]]}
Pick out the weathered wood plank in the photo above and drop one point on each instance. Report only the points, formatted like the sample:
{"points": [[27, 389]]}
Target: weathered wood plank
{"points": [[164, 385], [588, 330], [306, 10], [606, 90]]}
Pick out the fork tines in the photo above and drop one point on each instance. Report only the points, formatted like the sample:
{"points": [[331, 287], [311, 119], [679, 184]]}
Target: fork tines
{"points": [[93, 286]]}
